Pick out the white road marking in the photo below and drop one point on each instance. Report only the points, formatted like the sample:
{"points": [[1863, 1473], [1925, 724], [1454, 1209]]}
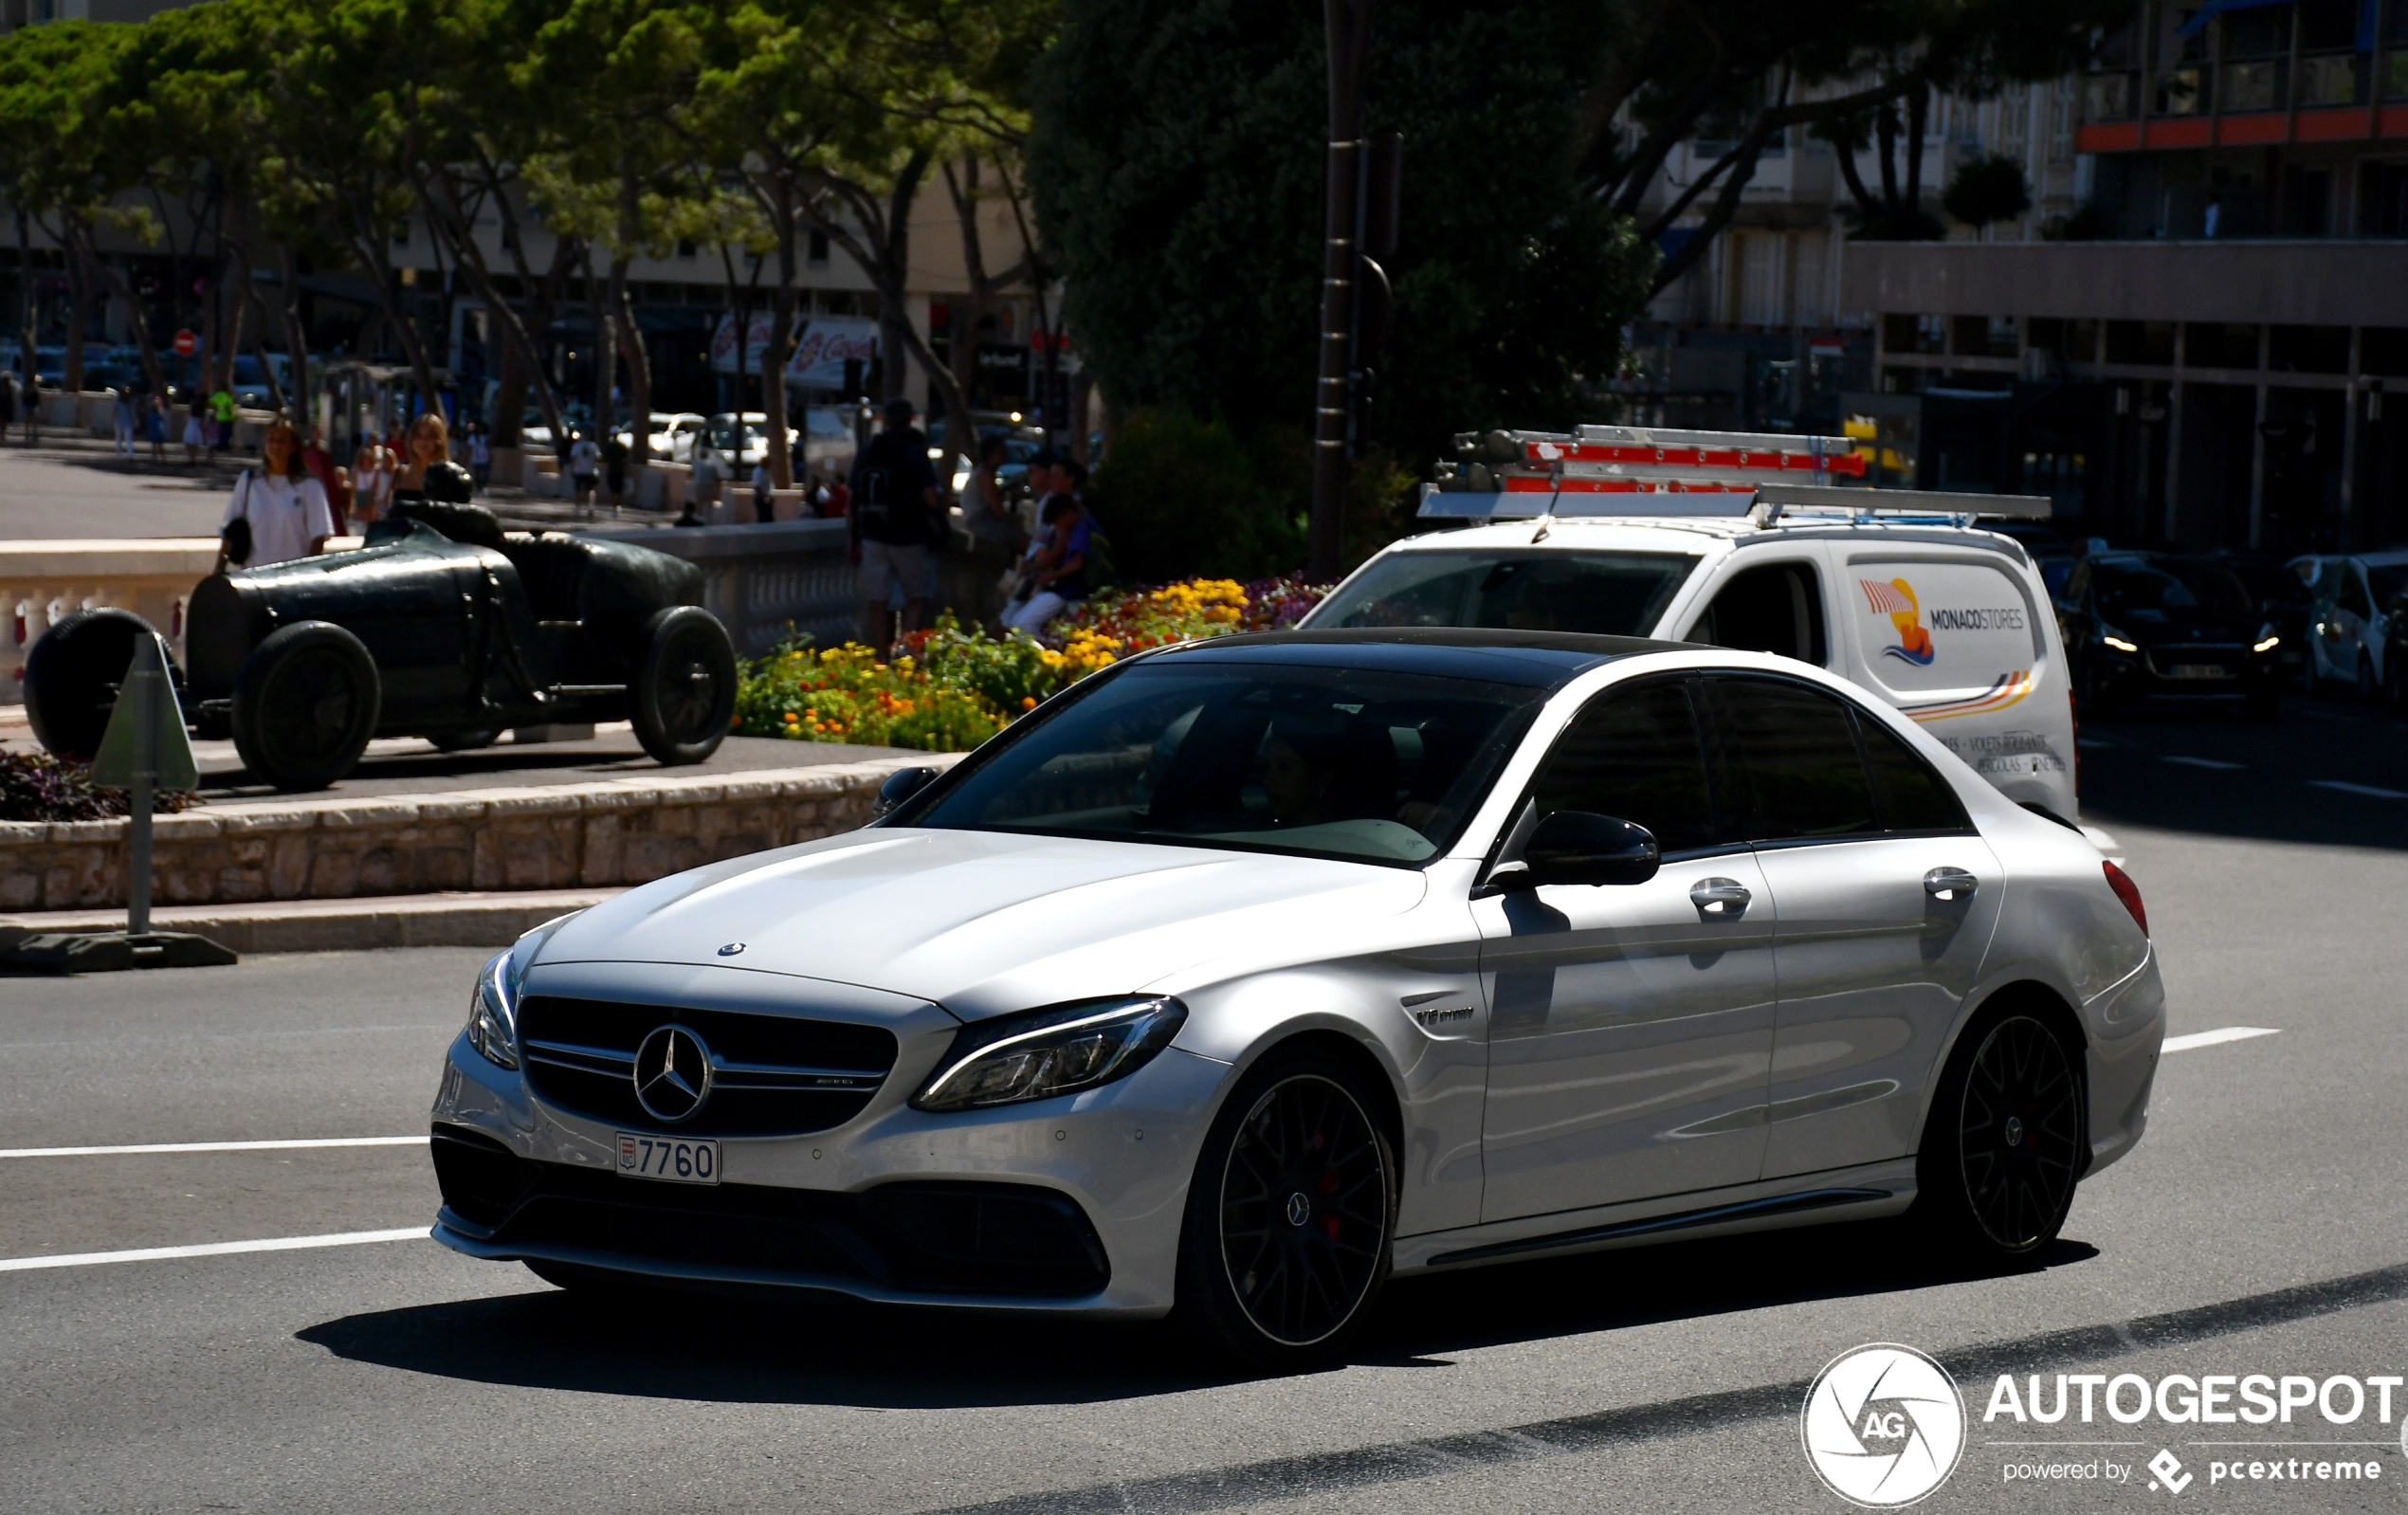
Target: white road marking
{"points": [[2216, 1038], [214, 1248], [2217, 763], [155, 1147], [2368, 790]]}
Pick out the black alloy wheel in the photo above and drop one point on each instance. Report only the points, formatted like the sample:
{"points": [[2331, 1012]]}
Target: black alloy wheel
{"points": [[1292, 1222], [2006, 1140], [305, 705], [71, 678], [684, 693]]}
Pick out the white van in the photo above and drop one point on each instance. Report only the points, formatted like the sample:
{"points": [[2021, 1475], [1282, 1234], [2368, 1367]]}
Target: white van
{"points": [[1947, 622]]}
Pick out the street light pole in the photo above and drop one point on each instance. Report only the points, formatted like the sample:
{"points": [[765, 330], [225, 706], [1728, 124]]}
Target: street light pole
{"points": [[1347, 24]]}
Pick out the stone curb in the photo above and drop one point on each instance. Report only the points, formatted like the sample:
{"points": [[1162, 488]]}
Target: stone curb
{"points": [[337, 925], [591, 834]]}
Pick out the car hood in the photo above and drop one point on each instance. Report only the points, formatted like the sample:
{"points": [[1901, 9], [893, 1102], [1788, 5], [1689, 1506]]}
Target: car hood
{"points": [[986, 922], [2191, 625]]}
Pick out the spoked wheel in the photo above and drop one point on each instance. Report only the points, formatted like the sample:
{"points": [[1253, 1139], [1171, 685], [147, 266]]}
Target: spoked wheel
{"points": [[1291, 1218], [684, 692], [2006, 1140], [305, 705]]}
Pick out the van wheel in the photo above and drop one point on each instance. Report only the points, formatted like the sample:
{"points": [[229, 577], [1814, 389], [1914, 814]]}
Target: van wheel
{"points": [[305, 704], [2004, 1142], [684, 693], [1290, 1220]]}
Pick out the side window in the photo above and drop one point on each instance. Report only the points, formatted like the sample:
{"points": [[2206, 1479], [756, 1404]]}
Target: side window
{"points": [[1910, 795], [1777, 609], [1791, 762], [1634, 754]]}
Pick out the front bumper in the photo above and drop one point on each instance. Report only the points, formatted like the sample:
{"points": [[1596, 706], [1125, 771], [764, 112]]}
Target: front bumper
{"points": [[1072, 1204]]}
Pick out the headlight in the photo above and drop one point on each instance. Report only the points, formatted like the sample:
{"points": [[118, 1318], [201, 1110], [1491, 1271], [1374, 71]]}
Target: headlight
{"points": [[1047, 1053], [2109, 635], [493, 1014], [2267, 638]]}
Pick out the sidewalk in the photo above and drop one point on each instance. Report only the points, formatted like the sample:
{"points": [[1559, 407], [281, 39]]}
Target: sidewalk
{"points": [[456, 919]]}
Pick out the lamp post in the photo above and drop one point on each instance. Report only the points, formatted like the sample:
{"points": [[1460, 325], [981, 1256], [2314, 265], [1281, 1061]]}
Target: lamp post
{"points": [[1347, 24]]}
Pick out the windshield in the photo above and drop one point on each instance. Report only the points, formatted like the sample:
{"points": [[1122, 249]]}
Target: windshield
{"points": [[2386, 579], [1602, 594], [2145, 591], [1381, 767]]}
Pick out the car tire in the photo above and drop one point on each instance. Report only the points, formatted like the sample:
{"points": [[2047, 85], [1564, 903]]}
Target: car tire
{"points": [[71, 676], [1299, 1137], [305, 704], [465, 740], [2006, 1140], [684, 693]]}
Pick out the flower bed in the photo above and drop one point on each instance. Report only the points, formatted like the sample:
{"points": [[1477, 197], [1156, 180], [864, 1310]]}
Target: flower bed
{"points": [[35, 786], [951, 688]]}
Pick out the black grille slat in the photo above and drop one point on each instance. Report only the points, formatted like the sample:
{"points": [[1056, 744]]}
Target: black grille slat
{"points": [[784, 1075]]}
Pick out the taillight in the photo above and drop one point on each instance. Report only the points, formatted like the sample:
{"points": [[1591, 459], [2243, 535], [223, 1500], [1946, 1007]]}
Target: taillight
{"points": [[2129, 893]]}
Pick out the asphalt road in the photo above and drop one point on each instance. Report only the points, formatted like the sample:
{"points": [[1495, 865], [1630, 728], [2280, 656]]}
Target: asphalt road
{"points": [[2260, 1228]]}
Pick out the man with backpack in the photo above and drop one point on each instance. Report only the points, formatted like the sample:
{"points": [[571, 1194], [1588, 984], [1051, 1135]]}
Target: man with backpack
{"points": [[898, 521]]}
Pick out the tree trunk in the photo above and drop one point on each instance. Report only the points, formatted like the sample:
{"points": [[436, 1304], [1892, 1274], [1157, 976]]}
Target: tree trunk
{"points": [[1885, 133], [639, 367], [27, 344], [1918, 112], [605, 354], [296, 338], [79, 312], [780, 349]]}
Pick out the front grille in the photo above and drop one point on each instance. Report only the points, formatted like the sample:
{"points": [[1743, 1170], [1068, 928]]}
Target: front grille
{"points": [[2228, 659], [936, 1237], [771, 1075]]}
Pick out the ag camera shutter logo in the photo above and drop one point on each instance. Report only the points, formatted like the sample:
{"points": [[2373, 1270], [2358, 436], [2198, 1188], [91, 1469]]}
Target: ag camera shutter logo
{"points": [[1882, 1426]]}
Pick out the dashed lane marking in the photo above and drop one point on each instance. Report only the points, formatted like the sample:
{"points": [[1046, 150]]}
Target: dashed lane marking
{"points": [[150, 1148], [2216, 1038], [2217, 763], [214, 1248]]}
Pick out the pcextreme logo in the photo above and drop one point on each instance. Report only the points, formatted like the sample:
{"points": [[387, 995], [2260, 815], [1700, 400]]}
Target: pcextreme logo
{"points": [[1882, 1426], [1896, 599]]}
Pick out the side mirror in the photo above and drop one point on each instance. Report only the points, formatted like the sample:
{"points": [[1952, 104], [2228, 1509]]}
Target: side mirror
{"points": [[1577, 847], [900, 786]]}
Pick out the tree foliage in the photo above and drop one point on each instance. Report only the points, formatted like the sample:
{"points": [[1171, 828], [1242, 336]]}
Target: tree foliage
{"points": [[1177, 170], [1987, 190]]}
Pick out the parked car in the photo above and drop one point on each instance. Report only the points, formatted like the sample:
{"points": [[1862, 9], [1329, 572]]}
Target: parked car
{"points": [[443, 627], [739, 441], [669, 438], [1248, 972], [2051, 553], [2282, 594], [2350, 636], [2163, 627]]}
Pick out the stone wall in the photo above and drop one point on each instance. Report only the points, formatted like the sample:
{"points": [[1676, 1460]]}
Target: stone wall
{"points": [[615, 831]]}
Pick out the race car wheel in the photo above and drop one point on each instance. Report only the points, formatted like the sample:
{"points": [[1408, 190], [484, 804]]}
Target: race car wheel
{"points": [[304, 705], [2004, 1142], [684, 692], [71, 677], [465, 740], [1290, 1219]]}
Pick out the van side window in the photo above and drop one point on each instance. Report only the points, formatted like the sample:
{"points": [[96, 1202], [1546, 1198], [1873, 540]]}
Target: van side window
{"points": [[1790, 762], [1910, 795], [1634, 754], [1777, 609]]}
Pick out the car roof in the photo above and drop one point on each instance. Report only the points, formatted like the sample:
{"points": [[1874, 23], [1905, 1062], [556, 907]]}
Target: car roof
{"points": [[1691, 536], [1532, 659]]}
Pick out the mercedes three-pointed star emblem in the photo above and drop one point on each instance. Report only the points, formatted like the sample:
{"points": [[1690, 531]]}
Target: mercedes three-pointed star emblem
{"points": [[672, 1075]]}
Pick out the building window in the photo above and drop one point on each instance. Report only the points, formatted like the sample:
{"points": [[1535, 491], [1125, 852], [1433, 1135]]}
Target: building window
{"points": [[2106, 97], [2257, 86], [817, 250], [2141, 341], [2061, 122], [685, 248], [2331, 80]]}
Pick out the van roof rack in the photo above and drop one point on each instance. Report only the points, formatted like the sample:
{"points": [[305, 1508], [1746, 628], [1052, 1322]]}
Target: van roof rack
{"points": [[1615, 470]]}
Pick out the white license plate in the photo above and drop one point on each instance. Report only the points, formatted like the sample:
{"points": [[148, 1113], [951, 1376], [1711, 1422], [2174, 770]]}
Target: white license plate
{"points": [[668, 1158], [2198, 670]]}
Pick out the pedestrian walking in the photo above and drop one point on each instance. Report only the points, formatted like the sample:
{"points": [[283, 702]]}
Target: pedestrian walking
{"points": [[121, 422], [221, 407], [195, 435], [278, 512], [372, 481], [765, 493], [480, 456], [614, 468], [7, 402], [154, 425], [585, 464], [30, 409], [896, 515]]}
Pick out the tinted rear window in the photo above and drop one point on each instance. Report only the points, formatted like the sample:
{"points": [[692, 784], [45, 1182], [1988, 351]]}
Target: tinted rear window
{"points": [[1598, 593]]}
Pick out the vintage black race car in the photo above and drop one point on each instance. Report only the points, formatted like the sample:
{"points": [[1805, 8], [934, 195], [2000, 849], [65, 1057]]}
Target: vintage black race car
{"points": [[443, 627]]}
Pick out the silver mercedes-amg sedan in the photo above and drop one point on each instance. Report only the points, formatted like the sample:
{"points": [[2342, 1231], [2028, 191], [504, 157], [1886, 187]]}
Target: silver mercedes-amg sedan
{"points": [[1248, 972]]}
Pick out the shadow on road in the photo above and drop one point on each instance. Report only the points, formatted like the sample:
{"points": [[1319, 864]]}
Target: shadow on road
{"points": [[2330, 772], [752, 1350]]}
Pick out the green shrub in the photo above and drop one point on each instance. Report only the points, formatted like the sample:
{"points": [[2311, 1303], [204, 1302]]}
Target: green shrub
{"points": [[1181, 497]]}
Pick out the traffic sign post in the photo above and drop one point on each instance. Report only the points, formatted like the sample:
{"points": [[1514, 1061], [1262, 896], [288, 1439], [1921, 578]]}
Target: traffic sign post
{"points": [[186, 343], [143, 749]]}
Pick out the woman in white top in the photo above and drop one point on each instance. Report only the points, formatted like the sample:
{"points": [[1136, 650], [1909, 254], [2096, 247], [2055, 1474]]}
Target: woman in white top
{"points": [[279, 506]]}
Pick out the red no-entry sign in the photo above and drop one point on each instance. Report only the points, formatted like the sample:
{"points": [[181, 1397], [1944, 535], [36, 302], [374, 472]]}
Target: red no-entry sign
{"points": [[186, 343]]}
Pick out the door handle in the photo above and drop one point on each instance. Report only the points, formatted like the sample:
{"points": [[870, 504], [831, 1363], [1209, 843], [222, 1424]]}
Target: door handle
{"points": [[1719, 899], [1950, 885]]}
